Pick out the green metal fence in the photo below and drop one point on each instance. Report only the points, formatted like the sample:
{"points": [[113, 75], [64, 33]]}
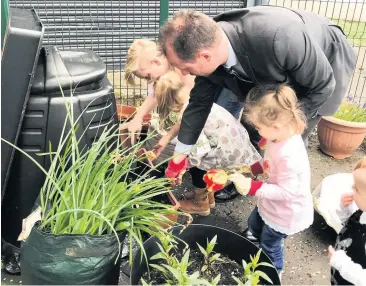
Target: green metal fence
{"points": [[108, 27], [164, 11], [4, 19]]}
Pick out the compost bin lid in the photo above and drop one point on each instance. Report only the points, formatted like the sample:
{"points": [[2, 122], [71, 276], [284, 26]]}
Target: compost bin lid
{"points": [[67, 69]]}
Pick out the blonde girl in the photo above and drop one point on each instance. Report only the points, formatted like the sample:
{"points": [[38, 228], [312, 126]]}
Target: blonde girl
{"points": [[285, 204], [145, 61]]}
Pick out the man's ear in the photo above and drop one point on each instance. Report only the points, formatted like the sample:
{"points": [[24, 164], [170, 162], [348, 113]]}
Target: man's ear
{"points": [[156, 61], [206, 55]]}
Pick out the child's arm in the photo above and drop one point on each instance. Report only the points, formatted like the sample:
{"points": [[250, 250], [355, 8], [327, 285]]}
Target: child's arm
{"points": [[164, 141], [349, 270], [287, 183], [149, 104], [173, 132], [134, 126]]}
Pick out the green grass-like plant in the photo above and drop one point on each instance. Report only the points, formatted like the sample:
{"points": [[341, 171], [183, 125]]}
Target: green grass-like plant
{"points": [[89, 190], [351, 112]]}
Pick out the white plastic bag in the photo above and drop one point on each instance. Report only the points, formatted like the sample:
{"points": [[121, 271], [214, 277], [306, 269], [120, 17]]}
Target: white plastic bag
{"points": [[327, 198]]}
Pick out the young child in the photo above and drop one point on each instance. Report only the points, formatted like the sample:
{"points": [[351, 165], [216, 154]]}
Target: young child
{"points": [[145, 61], [224, 142], [285, 205], [348, 259]]}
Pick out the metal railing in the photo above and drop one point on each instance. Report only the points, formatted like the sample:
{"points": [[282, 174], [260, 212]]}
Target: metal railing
{"points": [[4, 19], [350, 15], [108, 27]]}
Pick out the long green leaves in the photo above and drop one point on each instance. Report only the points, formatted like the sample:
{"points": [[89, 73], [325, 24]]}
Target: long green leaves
{"points": [[251, 275], [94, 189]]}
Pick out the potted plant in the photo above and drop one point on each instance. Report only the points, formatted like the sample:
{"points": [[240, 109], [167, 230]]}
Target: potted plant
{"points": [[126, 112], [202, 254], [342, 134], [86, 206]]}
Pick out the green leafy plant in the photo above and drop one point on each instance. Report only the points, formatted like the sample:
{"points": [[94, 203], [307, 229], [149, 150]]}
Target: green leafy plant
{"points": [[178, 275], [216, 280], [167, 247], [210, 258], [89, 190], [251, 275], [175, 270], [352, 112]]}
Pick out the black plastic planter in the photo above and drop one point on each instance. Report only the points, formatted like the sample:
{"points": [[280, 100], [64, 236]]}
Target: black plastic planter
{"points": [[229, 243]]}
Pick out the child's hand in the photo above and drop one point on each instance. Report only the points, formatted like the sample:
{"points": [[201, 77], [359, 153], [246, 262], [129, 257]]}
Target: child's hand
{"points": [[161, 145], [134, 128], [242, 183], [331, 251], [346, 199]]}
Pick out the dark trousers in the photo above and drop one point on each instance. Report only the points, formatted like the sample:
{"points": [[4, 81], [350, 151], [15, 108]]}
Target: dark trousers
{"points": [[197, 177], [269, 239]]}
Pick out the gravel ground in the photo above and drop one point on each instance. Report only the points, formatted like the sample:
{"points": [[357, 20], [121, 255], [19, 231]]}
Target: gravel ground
{"points": [[305, 253]]}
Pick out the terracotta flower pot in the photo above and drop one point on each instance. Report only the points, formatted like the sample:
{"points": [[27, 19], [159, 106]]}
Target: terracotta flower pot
{"points": [[126, 112], [339, 138]]}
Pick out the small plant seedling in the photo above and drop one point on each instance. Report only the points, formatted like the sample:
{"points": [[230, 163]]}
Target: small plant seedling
{"points": [[216, 280], [250, 275], [175, 271], [178, 274], [210, 258], [166, 245]]}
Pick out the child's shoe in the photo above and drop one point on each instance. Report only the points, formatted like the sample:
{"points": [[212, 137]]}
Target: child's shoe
{"points": [[211, 198], [249, 235], [199, 204]]}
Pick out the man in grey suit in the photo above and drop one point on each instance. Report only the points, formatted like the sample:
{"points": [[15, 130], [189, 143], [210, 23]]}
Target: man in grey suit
{"points": [[243, 48]]}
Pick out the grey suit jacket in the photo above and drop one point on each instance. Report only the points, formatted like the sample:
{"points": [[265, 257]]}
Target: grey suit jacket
{"points": [[274, 45]]}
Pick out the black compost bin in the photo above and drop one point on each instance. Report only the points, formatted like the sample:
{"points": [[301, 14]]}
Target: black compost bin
{"points": [[229, 243], [20, 54], [81, 74]]}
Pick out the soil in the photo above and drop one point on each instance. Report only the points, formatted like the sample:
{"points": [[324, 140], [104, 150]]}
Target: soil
{"points": [[227, 269]]}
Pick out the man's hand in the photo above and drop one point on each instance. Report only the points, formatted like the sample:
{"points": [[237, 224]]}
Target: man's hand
{"points": [[160, 146], [346, 199], [175, 170], [133, 127]]}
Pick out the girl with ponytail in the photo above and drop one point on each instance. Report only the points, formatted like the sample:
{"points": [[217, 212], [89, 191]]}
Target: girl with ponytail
{"points": [[285, 205]]}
